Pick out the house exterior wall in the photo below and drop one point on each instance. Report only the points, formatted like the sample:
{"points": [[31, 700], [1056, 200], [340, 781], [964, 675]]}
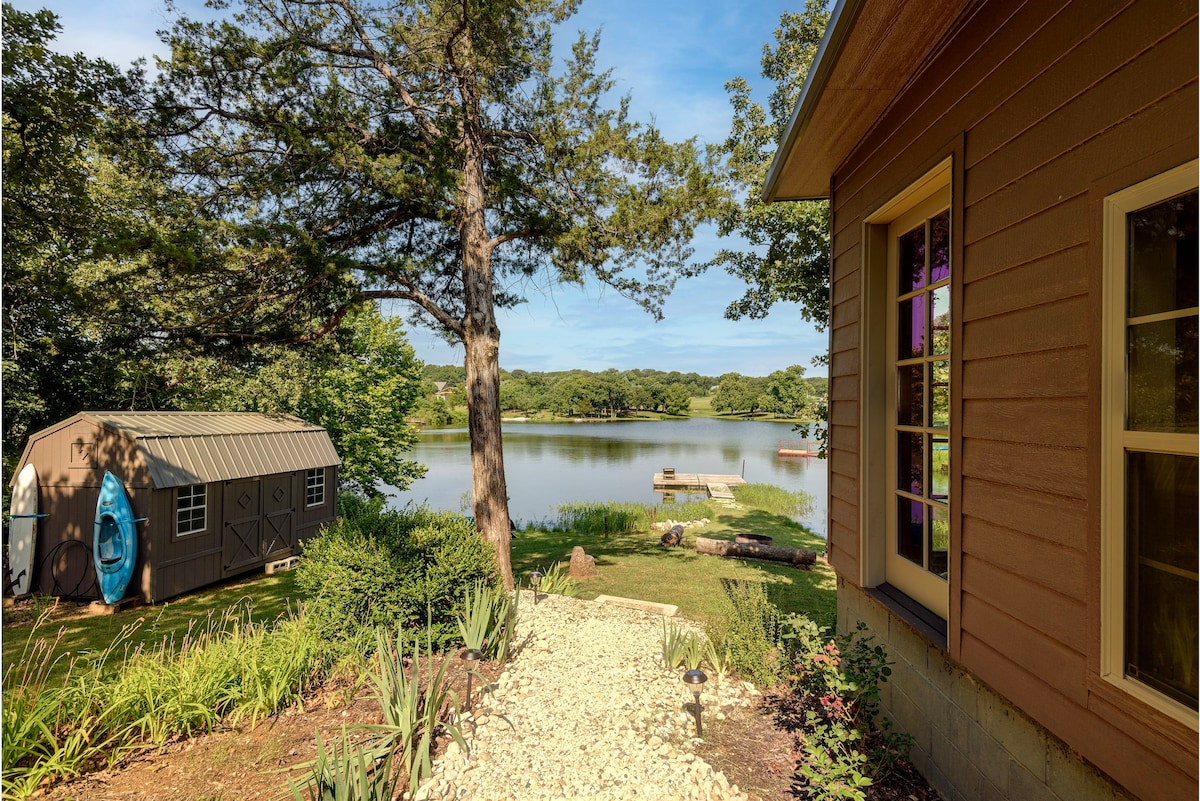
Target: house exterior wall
{"points": [[1045, 108]]}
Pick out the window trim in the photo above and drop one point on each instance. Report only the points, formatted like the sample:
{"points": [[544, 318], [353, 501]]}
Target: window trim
{"points": [[874, 388], [1114, 437], [309, 474], [204, 506]]}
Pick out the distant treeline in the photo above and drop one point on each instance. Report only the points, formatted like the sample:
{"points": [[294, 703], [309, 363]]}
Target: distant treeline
{"points": [[582, 393]]}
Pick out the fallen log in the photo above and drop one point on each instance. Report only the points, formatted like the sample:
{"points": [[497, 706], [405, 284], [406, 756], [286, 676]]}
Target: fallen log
{"points": [[773, 553]]}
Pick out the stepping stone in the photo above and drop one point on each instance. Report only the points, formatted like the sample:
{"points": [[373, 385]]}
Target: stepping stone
{"points": [[666, 610]]}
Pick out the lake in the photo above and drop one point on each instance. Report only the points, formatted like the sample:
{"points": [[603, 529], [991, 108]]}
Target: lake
{"points": [[552, 463]]}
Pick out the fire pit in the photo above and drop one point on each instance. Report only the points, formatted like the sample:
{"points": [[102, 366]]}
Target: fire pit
{"points": [[753, 539]]}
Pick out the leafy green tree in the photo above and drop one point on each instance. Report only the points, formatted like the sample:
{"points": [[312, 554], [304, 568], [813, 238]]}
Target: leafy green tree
{"points": [[425, 151], [360, 384], [733, 395], [81, 204], [789, 258], [677, 400], [788, 393]]}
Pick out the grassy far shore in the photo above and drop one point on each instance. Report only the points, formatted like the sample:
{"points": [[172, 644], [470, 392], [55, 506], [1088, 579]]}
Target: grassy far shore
{"points": [[632, 564], [700, 407]]}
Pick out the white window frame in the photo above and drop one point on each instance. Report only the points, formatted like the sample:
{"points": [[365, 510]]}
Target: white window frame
{"points": [[1115, 438], [877, 390], [309, 484], [191, 507]]}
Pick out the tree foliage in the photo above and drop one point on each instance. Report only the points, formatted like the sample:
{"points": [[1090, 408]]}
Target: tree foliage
{"points": [[80, 201], [789, 259], [359, 384], [422, 150]]}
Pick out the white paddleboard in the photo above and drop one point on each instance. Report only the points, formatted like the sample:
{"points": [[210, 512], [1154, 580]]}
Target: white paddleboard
{"points": [[22, 529]]}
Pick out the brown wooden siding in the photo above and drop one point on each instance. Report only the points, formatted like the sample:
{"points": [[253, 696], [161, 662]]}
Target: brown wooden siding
{"points": [[71, 462], [1057, 103]]}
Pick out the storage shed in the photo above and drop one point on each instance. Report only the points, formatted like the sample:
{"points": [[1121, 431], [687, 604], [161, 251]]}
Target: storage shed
{"points": [[221, 494]]}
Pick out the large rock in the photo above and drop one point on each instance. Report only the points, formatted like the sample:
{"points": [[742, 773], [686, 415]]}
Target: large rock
{"points": [[582, 565]]}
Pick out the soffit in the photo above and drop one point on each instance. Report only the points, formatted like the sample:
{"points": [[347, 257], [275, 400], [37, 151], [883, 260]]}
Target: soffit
{"points": [[872, 49]]}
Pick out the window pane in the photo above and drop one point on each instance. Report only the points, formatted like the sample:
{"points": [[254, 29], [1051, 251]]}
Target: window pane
{"points": [[939, 542], [911, 332], [939, 393], [910, 407], [1162, 609], [912, 260], [910, 530], [939, 467], [910, 462], [1162, 256], [939, 247], [940, 344], [1161, 375]]}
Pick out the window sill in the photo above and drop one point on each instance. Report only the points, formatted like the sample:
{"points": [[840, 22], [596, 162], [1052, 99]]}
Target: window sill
{"points": [[927, 624]]}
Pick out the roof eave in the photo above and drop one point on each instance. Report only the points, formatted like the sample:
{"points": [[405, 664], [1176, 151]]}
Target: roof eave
{"points": [[841, 21]]}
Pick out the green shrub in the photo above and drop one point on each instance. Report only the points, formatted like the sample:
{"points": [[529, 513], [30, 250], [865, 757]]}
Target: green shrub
{"points": [[748, 627], [378, 569], [846, 746]]}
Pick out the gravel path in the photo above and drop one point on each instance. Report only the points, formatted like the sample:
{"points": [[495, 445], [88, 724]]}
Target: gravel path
{"points": [[586, 711]]}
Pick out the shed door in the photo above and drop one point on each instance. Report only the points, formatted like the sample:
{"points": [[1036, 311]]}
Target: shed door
{"points": [[279, 533], [242, 531]]}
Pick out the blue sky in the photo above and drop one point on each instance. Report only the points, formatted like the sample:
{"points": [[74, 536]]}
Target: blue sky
{"points": [[673, 57]]}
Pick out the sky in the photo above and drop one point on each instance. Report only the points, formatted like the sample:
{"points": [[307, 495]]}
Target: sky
{"points": [[673, 57]]}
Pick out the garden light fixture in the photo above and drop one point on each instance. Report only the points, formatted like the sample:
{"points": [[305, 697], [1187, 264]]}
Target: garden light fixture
{"points": [[695, 680], [534, 578], [470, 655]]}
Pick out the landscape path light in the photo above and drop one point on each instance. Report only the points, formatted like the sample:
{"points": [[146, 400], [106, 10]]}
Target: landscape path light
{"points": [[470, 656], [695, 679], [534, 578]]}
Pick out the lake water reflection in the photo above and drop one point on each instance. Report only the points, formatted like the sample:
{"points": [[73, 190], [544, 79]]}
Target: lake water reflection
{"points": [[548, 464]]}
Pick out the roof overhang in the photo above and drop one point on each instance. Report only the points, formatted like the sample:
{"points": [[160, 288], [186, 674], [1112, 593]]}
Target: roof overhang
{"points": [[871, 50]]}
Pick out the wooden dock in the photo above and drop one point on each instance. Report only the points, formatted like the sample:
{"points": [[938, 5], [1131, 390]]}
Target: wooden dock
{"points": [[716, 485]]}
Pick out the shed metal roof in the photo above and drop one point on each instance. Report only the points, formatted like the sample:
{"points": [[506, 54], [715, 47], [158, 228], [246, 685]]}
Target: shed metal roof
{"points": [[181, 448]]}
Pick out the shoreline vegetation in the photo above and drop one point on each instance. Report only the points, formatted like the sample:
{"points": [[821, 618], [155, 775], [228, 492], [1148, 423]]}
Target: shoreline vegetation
{"points": [[581, 396]]}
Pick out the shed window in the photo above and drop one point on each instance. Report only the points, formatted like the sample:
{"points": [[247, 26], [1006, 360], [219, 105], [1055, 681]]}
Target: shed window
{"points": [[314, 487], [1150, 568], [191, 509]]}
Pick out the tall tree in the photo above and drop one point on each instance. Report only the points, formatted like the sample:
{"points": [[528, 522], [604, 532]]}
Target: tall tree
{"points": [[80, 195], [789, 259], [428, 151]]}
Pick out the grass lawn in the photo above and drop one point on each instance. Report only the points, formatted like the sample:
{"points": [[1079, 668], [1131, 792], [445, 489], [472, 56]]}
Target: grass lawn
{"points": [[632, 565], [259, 596], [635, 565]]}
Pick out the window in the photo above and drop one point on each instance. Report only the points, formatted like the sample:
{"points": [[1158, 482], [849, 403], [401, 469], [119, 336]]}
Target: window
{"points": [[191, 509], [907, 278], [1149, 534], [314, 487]]}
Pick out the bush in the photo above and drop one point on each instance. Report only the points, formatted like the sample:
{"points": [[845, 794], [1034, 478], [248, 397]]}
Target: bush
{"points": [[748, 630], [836, 685], [375, 568]]}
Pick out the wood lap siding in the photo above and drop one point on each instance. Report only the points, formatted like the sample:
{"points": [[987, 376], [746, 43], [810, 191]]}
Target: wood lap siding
{"points": [[1057, 104]]}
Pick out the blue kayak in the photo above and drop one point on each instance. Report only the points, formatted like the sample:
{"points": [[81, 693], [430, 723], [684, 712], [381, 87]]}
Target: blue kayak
{"points": [[115, 543]]}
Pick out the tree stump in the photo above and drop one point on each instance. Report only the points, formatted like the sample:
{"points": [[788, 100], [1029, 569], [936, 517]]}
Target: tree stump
{"points": [[673, 537]]}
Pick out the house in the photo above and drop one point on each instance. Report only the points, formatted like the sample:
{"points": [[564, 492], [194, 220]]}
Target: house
{"points": [[1013, 373], [442, 389], [220, 493]]}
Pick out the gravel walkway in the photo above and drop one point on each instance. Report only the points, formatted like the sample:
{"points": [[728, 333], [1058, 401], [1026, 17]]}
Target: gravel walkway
{"points": [[586, 711]]}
